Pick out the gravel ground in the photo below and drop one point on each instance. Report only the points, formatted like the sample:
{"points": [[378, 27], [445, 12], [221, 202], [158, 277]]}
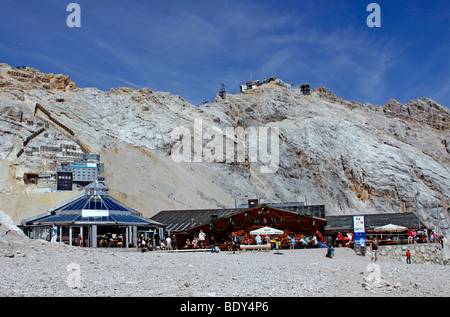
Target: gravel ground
{"points": [[38, 268]]}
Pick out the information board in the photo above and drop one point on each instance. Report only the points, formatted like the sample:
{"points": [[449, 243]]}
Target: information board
{"points": [[359, 231]]}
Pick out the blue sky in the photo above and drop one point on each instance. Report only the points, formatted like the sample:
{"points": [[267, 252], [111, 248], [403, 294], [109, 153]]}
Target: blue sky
{"points": [[188, 47]]}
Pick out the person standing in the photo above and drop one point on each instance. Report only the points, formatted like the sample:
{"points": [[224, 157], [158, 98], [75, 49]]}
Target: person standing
{"points": [[80, 240], [229, 244], [314, 242], [174, 242], [408, 257], [292, 246], [410, 237], [213, 244], [339, 239], [157, 241], [150, 244], [236, 243], [258, 239], [320, 239], [201, 239], [374, 249], [54, 233], [143, 245], [168, 243]]}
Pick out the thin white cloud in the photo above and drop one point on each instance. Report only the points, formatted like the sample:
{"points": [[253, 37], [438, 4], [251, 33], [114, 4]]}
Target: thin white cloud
{"points": [[277, 61]]}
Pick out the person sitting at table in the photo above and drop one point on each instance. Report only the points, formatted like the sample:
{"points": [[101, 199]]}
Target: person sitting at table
{"points": [[119, 243], [149, 244], [195, 242], [110, 241], [304, 241]]}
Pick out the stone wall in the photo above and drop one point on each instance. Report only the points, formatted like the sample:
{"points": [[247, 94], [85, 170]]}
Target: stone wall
{"points": [[430, 253]]}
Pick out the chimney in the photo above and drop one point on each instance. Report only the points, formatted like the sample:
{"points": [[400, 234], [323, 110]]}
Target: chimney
{"points": [[252, 203]]}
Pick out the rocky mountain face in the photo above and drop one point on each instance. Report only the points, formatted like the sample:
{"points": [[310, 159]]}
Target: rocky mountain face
{"points": [[356, 158]]}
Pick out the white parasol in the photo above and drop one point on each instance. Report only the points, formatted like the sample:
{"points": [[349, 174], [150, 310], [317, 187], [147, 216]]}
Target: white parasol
{"points": [[267, 231], [391, 228]]}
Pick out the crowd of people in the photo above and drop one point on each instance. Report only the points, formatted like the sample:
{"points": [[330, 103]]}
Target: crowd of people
{"points": [[149, 244], [171, 243], [421, 236], [316, 240]]}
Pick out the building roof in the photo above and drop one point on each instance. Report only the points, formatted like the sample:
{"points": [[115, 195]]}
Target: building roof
{"points": [[345, 223], [91, 203], [77, 218], [184, 220], [261, 216]]}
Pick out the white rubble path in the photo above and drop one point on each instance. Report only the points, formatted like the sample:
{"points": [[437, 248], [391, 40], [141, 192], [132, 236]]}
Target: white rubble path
{"points": [[39, 268], [45, 271]]}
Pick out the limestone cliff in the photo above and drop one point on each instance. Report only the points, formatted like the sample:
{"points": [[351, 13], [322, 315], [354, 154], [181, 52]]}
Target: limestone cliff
{"points": [[353, 157]]}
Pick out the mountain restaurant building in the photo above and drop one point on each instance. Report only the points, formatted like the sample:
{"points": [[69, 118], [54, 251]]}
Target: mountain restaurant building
{"points": [[93, 219], [294, 219]]}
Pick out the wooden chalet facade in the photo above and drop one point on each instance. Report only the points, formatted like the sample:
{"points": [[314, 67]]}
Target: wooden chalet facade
{"points": [[221, 223]]}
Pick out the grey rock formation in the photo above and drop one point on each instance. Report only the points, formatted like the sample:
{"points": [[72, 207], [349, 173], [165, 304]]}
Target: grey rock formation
{"points": [[353, 157]]}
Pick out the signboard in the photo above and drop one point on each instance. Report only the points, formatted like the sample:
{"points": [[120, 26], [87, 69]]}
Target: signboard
{"points": [[85, 213], [359, 231]]}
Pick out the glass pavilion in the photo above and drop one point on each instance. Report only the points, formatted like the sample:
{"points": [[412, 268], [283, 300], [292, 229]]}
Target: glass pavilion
{"points": [[93, 219]]}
